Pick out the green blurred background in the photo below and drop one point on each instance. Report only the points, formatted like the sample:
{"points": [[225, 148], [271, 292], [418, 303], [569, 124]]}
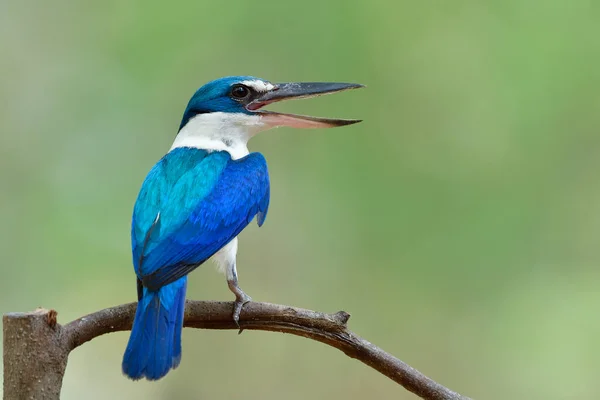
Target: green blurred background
{"points": [[458, 224]]}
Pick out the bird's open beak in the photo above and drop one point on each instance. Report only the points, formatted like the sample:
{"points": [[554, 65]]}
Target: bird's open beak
{"points": [[300, 90]]}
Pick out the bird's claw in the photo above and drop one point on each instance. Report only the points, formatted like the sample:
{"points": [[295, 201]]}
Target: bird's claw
{"points": [[239, 303]]}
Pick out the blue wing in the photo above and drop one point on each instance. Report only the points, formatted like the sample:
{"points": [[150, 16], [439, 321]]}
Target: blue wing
{"points": [[191, 205]]}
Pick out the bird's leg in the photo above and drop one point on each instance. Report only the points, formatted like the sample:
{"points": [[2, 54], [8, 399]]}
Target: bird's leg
{"points": [[241, 298]]}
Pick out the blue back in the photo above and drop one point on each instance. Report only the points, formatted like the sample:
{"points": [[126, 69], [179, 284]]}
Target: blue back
{"points": [[193, 203]]}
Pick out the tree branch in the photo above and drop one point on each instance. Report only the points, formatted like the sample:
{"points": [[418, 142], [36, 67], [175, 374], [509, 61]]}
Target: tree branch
{"points": [[330, 329]]}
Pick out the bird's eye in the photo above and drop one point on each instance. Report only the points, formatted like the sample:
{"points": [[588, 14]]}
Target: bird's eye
{"points": [[240, 92]]}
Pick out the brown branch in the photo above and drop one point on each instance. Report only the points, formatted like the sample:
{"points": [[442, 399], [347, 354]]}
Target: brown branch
{"points": [[330, 329]]}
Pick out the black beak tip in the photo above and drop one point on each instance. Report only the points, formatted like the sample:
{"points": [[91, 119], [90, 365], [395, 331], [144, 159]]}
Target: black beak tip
{"points": [[351, 86], [355, 86], [346, 122]]}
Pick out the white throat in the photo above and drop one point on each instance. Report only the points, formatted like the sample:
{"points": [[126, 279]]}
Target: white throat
{"points": [[220, 131]]}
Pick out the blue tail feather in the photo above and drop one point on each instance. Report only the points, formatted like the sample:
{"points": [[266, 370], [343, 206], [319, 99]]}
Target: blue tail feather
{"points": [[155, 343]]}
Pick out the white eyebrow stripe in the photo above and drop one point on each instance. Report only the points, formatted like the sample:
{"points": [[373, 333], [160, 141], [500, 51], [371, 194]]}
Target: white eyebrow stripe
{"points": [[258, 85]]}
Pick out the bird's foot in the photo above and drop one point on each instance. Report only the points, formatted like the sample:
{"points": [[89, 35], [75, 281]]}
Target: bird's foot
{"points": [[240, 300]]}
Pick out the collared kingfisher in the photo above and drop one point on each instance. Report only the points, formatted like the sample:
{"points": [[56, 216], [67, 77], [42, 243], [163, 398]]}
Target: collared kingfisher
{"points": [[197, 199]]}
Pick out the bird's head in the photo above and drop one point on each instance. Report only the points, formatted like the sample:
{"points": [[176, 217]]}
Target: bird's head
{"points": [[238, 100]]}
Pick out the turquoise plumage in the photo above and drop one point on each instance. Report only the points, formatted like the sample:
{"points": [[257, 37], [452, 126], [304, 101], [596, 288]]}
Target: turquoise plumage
{"points": [[197, 199], [192, 203]]}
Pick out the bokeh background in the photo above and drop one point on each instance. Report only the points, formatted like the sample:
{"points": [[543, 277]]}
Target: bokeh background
{"points": [[459, 224]]}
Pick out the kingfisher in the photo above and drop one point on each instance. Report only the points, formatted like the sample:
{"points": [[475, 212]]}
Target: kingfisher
{"points": [[196, 200]]}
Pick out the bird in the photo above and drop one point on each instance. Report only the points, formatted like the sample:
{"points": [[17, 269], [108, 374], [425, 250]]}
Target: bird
{"points": [[196, 200]]}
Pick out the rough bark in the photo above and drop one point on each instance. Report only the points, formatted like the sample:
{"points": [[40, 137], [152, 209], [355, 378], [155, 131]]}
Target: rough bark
{"points": [[34, 355], [36, 348]]}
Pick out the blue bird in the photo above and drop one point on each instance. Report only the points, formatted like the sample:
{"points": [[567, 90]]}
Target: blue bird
{"points": [[197, 199]]}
